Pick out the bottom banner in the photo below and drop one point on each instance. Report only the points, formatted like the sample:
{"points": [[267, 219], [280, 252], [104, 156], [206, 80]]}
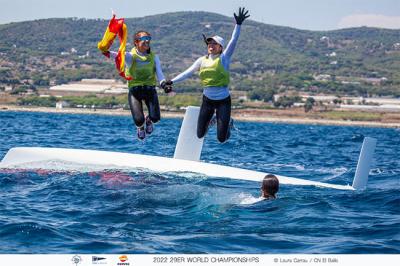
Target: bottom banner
{"points": [[196, 260]]}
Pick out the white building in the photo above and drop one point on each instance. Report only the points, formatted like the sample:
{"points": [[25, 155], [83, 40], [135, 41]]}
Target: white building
{"points": [[93, 86]]}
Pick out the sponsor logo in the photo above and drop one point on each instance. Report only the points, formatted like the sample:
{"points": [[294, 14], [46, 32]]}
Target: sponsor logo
{"points": [[123, 260], [76, 260], [99, 260]]}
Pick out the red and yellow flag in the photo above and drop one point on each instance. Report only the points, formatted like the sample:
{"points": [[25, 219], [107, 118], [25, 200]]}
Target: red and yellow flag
{"points": [[116, 27]]}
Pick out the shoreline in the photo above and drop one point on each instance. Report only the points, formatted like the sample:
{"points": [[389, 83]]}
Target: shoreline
{"points": [[236, 114]]}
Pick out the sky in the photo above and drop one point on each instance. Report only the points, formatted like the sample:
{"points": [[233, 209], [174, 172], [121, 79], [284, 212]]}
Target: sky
{"points": [[300, 14]]}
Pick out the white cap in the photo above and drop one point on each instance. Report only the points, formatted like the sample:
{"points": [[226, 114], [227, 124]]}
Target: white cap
{"points": [[217, 39]]}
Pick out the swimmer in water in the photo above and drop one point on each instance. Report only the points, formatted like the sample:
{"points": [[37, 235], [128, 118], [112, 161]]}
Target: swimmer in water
{"points": [[269, 187]]}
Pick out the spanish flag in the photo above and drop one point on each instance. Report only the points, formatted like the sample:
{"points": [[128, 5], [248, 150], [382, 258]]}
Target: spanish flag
{"points": [[116, 27]]}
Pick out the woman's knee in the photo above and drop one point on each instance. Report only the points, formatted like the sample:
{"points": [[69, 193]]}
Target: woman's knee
{"points": [[222, 139], [200, 134], [155, 119], [223, 136]]}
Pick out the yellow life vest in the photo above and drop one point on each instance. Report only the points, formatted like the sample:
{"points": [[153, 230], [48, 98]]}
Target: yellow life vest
{"points": [[142, 70], [213, 73]]}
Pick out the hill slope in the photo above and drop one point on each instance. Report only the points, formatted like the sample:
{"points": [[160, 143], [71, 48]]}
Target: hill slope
{"points": [[267, 57]]}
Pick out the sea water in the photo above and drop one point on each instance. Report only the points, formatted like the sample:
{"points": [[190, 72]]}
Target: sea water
{"points": [[138, 211]]}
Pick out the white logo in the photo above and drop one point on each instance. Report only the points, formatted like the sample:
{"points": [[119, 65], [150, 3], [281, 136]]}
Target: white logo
{"points": [[76, 260], [99, 260]]}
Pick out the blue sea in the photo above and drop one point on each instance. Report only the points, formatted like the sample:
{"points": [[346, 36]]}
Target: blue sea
{"points": [[83, 212]]}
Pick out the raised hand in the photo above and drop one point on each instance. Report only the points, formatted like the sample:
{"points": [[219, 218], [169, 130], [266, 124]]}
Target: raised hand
{"points": [[241, 16]]}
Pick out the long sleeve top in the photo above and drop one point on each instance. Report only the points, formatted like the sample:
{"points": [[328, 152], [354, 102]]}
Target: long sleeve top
{"points": [[214, 93]]}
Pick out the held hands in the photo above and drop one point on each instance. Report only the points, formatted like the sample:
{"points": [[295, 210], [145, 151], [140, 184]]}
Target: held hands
{"points": [[242, 16], [166, 85]]}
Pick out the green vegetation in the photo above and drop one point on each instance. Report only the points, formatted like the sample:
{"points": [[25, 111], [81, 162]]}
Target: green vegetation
{"points": [[22, 89], [93, 101], [308, 105], [38, 101], [286, 101], [352, 116], [268, 59], [266, 95], [180, 100], [108, 102], [89, 101]]}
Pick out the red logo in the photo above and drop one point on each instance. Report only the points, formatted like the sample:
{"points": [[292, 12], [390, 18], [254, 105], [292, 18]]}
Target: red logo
{"points": [[123, 258]]}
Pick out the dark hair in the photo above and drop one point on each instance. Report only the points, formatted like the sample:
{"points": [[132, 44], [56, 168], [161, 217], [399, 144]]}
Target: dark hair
{"points": [[270, 186], [136, 37]]}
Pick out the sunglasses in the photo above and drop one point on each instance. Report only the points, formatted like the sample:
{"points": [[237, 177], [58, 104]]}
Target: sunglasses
{"points": [[144, 38]]}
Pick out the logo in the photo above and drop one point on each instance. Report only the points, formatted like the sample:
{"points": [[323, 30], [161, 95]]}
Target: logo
{"points": [[99, 260], [123, 260], [76, 260]]}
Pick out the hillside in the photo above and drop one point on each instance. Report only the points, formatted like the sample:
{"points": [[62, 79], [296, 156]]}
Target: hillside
{"points": [[355, 61]]}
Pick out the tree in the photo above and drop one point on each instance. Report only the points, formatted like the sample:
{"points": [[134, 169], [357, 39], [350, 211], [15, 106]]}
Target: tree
{"points": [[20, 89], [262, 95], [286, 101], [308, 105], [337, 101]]}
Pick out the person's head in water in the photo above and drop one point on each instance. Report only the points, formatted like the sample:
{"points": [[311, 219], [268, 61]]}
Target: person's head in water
{"points": [[141, 40], [215, 45], [270, 186]]}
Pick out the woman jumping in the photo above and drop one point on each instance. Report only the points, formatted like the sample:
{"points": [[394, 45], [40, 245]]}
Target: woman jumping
{"points": [[214, 75], [144, 67]]}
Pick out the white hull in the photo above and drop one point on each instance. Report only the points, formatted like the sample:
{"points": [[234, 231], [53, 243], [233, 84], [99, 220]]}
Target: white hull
{"points": [[22, 156], [186, 159]]}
